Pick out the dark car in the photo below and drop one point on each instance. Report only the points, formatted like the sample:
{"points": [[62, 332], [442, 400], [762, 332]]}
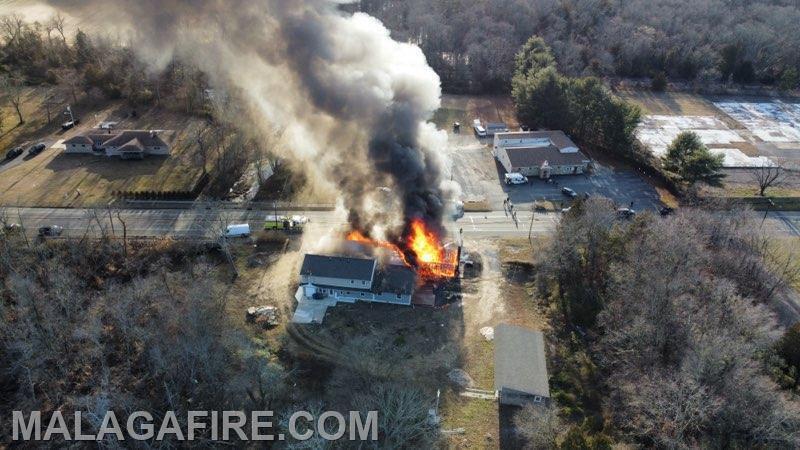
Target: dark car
{"points": [[665, 211], [568, 192], [625, 213], [36, 149], [13, 153], [52, 230]]}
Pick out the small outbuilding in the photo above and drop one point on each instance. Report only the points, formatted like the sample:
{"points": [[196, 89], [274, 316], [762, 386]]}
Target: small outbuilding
{"points": [[520, 366]]}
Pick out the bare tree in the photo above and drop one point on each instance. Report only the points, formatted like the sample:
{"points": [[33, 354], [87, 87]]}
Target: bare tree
{"points": [[767, 176], [12, 26], [540, 426], [200, 136], [56, 22], [13, 86]]}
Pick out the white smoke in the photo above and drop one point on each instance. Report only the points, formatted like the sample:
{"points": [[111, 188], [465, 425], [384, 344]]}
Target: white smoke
{"points": [[352, 103]]}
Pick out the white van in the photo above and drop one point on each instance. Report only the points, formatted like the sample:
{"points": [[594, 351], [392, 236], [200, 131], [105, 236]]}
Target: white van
{"points": [[515, 178], [238, 230]]}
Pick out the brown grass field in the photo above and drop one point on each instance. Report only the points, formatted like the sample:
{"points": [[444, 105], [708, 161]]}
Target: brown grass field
{"points": [[55, 179]]}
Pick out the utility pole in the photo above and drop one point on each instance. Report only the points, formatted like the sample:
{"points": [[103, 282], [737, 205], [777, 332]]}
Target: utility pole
{"points": [[530, 230], [770, 206]]}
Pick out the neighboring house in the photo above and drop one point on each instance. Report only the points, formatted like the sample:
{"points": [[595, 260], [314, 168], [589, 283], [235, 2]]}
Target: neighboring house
{"points": [[539, 153], [520, 366], [127, 144], [333, 279]]}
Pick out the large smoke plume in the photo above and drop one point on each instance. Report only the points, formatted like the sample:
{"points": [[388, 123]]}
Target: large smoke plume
{"points": [[352, 103]]}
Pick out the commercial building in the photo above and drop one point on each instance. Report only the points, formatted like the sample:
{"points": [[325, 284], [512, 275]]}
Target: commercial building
{"points": [[539, 154]]}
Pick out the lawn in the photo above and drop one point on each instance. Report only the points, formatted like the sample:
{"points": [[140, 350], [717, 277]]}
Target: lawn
{"points": [[670, 103], [54, 179]]}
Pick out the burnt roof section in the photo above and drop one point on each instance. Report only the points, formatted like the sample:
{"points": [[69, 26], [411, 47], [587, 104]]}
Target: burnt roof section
{"points": [[519, 360], [556, 137], [342, 267], [536, 156], [395, 279]]}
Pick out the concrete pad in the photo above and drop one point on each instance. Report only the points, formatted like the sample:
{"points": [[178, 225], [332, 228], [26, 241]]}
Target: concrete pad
{"points": [[658, 131], [309, 312], [775, 121], [735, 158]]}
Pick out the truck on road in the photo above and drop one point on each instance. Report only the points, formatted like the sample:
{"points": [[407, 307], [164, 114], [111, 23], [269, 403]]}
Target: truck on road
{"points": [[293, 224], [237, 230]]}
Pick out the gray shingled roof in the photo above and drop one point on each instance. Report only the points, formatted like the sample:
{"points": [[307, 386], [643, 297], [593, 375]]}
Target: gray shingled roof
{"points": [[536, 156], [338, 267], [557, 137], [519, 360], [144, 138]]}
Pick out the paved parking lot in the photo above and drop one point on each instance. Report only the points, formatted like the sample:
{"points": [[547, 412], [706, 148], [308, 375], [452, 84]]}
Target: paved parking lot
{"points": [[480, 177]]}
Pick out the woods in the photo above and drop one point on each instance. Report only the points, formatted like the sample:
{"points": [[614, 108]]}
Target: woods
{"points": [[582, 107], [679, 325], [471, 44]]}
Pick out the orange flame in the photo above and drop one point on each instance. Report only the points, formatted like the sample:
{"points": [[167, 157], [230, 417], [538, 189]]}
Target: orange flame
{"points": [[431, 259]]}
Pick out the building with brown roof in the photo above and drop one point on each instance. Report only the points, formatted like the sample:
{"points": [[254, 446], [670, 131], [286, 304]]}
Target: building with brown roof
{"points": [[127, 144], [539, 153]]}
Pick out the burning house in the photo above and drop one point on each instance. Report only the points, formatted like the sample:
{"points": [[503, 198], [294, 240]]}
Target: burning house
{"points": [[392, 273]]}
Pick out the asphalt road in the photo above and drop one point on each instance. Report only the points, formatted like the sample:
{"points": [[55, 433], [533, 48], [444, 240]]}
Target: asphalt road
{"points": [[204, 223], [209, 223]]}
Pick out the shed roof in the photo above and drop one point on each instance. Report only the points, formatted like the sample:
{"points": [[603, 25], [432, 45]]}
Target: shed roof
{"points": [[342, 267], [519, 360]]}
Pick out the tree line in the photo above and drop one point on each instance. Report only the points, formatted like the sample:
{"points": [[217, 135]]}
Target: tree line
{"points": [[472, 44], [582, 107], [41, 53], [679, 330]]}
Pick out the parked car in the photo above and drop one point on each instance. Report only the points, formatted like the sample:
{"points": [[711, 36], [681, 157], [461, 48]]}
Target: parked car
{"points": [[625, 213], [36, 149], [515, 178], [479, 129], [666, 210], [70, 124], [568, 192], [52, 230], [13, 153], [456, 127]]}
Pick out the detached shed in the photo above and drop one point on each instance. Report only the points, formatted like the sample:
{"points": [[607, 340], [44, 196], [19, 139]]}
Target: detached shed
{"points": [[520, 366]]}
